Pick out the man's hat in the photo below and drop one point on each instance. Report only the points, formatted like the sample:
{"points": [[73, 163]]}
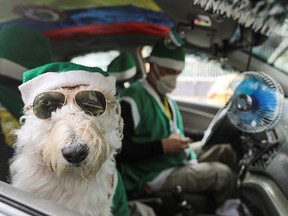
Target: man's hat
{"points": [[22, 48], [123, 67], [167, 57], [63, 74]]}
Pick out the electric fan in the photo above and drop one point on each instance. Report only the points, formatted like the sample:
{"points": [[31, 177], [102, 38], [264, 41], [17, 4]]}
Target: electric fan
{"points": [[257, 102]]}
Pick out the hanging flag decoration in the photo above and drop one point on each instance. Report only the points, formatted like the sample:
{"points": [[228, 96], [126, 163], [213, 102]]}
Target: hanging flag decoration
{"points": [[64, 19]]}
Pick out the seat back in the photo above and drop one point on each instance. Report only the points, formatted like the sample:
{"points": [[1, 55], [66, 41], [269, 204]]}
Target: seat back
{"points": [[4, 158]]}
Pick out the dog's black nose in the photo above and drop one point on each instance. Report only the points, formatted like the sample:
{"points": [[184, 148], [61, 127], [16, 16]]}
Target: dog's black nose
{"points": [[76, 153]]}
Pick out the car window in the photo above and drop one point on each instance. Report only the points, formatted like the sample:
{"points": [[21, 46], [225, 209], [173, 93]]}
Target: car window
{"points": [[96, 59], [274, 52], [203, 80]]}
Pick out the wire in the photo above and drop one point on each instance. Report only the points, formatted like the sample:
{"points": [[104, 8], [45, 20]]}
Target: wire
{"points": [[250, 54]]}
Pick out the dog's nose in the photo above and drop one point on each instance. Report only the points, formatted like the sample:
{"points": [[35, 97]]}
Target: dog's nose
{"points": [[76, 153]]}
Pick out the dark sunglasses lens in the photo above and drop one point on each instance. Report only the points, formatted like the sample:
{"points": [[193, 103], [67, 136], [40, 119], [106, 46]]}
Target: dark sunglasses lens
{"points": [[92, 102], [46, 103]]}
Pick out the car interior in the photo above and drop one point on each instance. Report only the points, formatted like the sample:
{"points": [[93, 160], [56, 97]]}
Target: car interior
{"points": [[257, 55]]}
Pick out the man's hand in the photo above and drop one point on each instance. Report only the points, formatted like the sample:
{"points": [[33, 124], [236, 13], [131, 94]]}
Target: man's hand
{"points": [[175, 144]]}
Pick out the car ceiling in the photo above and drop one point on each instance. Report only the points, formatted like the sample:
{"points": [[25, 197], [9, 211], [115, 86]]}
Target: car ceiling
{"points": [[90, 23], [185, 13], [82, 26]]}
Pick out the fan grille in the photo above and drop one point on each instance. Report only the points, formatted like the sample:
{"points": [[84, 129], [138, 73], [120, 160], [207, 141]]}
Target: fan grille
{"points": [[257, 102]]}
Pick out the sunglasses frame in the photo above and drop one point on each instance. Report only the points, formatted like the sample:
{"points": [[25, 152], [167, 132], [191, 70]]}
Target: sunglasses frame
{"points": [[74, 101]]}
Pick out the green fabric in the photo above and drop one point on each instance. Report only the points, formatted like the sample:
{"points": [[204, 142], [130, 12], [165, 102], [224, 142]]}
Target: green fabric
{"points": [[59, 67], [121, 63], [160, 50], [137, 174], [120, 206], [11, 101], [24, 46]]}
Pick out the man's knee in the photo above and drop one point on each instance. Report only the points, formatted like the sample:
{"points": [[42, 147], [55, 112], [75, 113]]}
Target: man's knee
{"points": [[226, 178], [227, 155], [210, 176], [227, 149]]}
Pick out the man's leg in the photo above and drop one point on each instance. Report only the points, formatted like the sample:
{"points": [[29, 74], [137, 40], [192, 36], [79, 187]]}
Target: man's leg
{"points": [[212, 177], [223, 153]]}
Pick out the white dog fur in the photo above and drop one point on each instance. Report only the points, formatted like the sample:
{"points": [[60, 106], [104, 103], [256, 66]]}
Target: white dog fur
{"points": [[40, 168]]}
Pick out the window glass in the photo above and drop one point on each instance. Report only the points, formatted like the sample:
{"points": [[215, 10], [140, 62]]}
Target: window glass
{"points": [[203, 80], [96, 59], [266, 49], [274, 52]]}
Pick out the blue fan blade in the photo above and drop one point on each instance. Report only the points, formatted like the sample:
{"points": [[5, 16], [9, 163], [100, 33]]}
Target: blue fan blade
{"points": [[265, 101]]}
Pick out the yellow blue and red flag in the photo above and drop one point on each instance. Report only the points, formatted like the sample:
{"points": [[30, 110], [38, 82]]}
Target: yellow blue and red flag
{"points": [[64, 19]]}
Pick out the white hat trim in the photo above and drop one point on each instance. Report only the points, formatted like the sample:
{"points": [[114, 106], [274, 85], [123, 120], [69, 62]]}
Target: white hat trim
{"points": [[168, 62], [124, 75], [53, 80], [11, 69]]}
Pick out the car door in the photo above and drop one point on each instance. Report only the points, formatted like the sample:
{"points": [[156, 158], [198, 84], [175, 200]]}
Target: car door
{"points": [[196, 117]]}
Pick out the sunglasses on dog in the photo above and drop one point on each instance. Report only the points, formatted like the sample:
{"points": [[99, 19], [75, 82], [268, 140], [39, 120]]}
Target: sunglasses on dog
{"points": [[91, 102]]}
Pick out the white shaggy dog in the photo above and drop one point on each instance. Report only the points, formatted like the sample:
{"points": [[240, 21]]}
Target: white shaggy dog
{"points": [[69, 157]]}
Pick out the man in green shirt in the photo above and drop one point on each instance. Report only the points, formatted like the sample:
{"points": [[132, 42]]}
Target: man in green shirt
{"points": [[155, 152]]}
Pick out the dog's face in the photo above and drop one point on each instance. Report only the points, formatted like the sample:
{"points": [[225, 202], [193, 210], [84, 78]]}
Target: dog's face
{"points": [[72, 141]]}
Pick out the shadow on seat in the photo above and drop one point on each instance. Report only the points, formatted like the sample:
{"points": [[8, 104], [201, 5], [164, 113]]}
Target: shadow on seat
{"points": [[171, 203], [4, 158]]}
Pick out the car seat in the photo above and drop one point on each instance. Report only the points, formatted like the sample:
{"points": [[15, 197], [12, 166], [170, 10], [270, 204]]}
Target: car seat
{"points": [[4, 158], [175, 201], [9, 98]]}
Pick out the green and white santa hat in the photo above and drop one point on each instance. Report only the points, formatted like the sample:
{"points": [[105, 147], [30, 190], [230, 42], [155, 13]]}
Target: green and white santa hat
{"points": [[63, 74], [123, 67], [22, 48], [167, 57]]}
